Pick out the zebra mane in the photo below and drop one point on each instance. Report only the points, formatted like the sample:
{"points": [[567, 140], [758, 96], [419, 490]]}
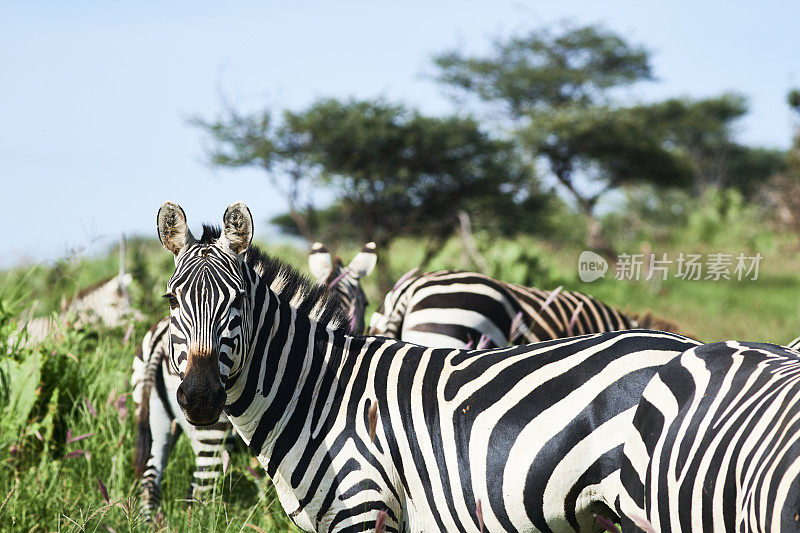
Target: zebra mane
{"points": [[303, 294], [210, 234]]}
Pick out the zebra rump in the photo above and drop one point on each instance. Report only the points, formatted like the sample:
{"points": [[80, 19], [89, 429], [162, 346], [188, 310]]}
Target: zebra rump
{"points": [[713, 444]]}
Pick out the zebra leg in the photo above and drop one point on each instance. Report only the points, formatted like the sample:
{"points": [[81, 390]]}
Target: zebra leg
{"points": [[164, 434], [208, 444]]}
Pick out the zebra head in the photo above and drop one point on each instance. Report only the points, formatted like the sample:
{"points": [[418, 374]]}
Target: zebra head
{"points": [[344, 281], [208, 306]]}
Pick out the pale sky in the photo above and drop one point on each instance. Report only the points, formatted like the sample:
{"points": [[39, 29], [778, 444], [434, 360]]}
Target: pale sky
{"points": [[94, 96]]}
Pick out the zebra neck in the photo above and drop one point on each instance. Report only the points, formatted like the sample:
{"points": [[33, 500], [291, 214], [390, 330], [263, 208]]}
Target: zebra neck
{"points": [[291, 361]]}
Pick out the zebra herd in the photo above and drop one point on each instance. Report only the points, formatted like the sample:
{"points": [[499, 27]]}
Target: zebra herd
{"points": [[566, 416]]}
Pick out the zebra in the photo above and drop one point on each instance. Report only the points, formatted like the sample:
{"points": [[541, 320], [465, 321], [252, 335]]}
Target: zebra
{"points": [[448, 309], [105, 303], [344, 281], [713, 445], [159, 419], [352, 429]]}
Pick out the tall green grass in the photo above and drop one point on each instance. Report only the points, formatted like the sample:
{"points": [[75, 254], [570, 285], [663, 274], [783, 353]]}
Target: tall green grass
{"points": [[66, 426], [67, 429]]}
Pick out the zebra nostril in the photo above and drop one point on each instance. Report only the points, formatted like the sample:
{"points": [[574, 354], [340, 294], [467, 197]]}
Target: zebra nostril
{"points": [[182, 400]]}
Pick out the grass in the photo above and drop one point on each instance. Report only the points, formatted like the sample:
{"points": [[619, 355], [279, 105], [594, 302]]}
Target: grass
{"points": [[50, 477], [80, 384]]}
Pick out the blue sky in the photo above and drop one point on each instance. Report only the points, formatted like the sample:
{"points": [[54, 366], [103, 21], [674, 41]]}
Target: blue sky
{"points": [[95, 96]]}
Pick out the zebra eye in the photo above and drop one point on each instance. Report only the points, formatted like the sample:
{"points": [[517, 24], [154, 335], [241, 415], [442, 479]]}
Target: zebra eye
{"points": [[237, 302], [173, 302]]}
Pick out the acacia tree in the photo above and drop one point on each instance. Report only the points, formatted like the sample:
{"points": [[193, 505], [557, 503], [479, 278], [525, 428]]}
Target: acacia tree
{"points": [[396, 172], [556, 90], [259, 140], [390, 171], [703, 130]]}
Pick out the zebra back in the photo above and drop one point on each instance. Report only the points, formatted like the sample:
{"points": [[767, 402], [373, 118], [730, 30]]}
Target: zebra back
{"points": [[456, 309], [105, 303]]}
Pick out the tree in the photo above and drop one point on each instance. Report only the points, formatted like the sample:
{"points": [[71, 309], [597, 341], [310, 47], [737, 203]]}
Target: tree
{"points": [[542, 71], [703, 131], [782, 193], [557, 92], [260, 141], [608, 148], [395, 172], [793, 158], [793, 99]]}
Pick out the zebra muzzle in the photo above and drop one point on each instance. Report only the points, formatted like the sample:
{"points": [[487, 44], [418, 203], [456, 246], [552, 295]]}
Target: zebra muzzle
{"points": [[201, 395]]}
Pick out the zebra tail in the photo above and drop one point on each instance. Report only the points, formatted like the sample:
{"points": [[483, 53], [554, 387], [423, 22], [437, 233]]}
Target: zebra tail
{"points": [[144, 437]]}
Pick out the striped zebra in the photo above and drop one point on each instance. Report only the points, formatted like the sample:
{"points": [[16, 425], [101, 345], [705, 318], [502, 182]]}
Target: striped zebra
{"points": [[714, 443], [344, 281], [353, 429], [159, 419], [447, 309], [105, 303]]}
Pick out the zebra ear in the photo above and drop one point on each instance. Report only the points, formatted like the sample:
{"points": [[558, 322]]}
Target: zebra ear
{"points": [[237, 228], [320, 262], [363, 263], [173, 231]]}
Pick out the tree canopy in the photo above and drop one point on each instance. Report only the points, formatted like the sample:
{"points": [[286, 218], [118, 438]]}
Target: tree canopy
{"points": [[558, 91], [542, 69], [262, 141], [397, 172], [390, 170]]}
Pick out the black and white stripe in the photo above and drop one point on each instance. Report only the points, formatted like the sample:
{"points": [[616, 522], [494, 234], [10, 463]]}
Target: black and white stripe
{"points": [[447, 309], [532, 435], [160, 422], [344, 281], [714, 443], [159, 417]]}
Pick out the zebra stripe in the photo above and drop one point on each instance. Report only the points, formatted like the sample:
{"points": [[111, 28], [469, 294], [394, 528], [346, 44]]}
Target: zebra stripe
{"points": [[530, 434], [159, 417], [714, 444], [344, 281], [456, 309]]}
